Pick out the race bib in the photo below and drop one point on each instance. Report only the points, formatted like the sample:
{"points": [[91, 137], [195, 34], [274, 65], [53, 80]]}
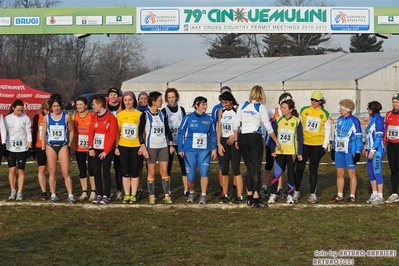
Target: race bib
{"points": [[313, 124], [57, 132], [158, 131], [227, 129], [98, 142], [393, 132], [341, 144], [129, 131], [83, 141], [17, 143], [285, 136], [199, 140]]}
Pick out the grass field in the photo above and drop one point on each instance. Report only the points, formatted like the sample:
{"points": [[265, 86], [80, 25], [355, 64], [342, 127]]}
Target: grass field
{"points": [[41, 233]]}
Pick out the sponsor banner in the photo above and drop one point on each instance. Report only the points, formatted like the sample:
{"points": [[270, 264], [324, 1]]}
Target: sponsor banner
{"points": [[68, 21], [388, 20], [89, 20], [352, 19], [119, 20], [7, 95], [5, 21], [161, 20], [255, 20], [26, 21], [59, 20], [12, 87]]}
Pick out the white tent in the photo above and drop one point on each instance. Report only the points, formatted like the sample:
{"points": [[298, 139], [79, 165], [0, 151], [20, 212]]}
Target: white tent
{"points": [[362, 77]]}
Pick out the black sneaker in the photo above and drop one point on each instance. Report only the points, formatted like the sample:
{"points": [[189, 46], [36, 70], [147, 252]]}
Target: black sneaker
{"points": [[250, 203], [224, 199], [139, 194], [238, 200], [185, 194], [351, 200], [280, 193], [260, 205], [221, 196], [336, 199], [44, 196]]}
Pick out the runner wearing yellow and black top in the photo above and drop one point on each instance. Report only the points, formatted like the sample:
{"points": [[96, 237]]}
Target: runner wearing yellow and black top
{"points": [[316, 137], [130, 144], [290, 135]]}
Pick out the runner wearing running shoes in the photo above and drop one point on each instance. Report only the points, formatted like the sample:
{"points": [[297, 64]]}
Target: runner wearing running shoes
{"points": [[226, 148], [18, 139], [290, 135], [57, 137], [102, 136], [175, 113], [316, 137], [37, 128], [248, 136], [196, 142], [81, 120], [391, 140], [374, 151], [273, 115], [130, 144], [346, 148], [159, 142]]}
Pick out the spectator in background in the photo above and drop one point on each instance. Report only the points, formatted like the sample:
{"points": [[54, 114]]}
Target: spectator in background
{"points": [[70, 105], [37, 145], [18, 140], [346, 149], [3, 150]]}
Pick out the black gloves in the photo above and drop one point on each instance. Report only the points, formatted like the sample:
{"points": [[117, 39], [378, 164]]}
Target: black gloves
{"points": [[3, 150], [333, 155], [31, 153], [322, 152], [356, 158]]}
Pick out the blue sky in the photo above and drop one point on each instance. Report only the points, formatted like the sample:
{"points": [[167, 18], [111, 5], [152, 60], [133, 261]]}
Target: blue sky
{"points": [[174, 47]]}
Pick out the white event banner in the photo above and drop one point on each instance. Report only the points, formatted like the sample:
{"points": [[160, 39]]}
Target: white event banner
{"points": [[89, 20], [59, 20], [119, 20], [5, 21], [255, 20]]}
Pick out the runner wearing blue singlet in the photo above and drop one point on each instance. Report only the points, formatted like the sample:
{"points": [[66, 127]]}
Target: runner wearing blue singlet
{"points": [[197, 145], [375, 152], [56, 140], [346, 148]]}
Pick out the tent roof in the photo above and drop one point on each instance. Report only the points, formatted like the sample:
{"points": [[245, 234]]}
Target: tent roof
{"points": [[18, 87], [216, 72]]}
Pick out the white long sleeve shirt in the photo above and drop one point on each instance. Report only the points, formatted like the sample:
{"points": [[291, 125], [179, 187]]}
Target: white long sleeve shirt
{"points": [[250, 117], [18, 133]]}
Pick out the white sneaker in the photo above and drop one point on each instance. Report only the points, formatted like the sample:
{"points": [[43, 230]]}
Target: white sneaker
{"points": [[83, 197], [378, 200], [371, 199], [393, 198], [296, 196], [118, 195], [290, 199], [312, 199], [19, 196], [13, 195], [93, 196], [272, 198]]}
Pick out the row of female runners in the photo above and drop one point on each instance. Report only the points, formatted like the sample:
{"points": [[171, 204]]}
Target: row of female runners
{"points": [[143, 131]]}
